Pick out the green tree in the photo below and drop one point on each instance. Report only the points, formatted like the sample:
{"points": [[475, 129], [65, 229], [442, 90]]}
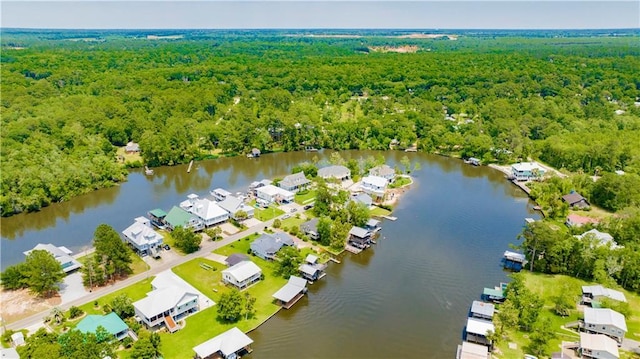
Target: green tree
{"points": [[249, 305], [323, 201], [339, 232], [186, 240], [75, 344], [241, 215], [540, 336], [122, 305], [231, 306], [289, 259], [114, 255], [507, 315], [277, 223], [406, 163], [147, 346], [41, 344], [43, 273], [359, 213], [13, 277], [324, 231]]}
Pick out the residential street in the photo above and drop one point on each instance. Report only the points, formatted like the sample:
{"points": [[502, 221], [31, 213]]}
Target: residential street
{"points": [[206, 248]]}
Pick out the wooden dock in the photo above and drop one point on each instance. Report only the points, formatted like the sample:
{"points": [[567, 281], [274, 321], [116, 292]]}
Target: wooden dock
{"points": [[334, 260], [353, 249], [391, 218], [523, 186], [190, 164]]}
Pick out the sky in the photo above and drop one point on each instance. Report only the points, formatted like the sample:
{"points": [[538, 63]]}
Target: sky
{"points": [[331, 14]]}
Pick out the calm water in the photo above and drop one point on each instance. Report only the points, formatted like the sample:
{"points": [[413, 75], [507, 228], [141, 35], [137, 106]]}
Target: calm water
{"points": [[406, 297]]}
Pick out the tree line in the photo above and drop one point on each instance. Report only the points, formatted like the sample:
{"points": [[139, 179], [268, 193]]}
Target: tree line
{"points": [[67, 105]]}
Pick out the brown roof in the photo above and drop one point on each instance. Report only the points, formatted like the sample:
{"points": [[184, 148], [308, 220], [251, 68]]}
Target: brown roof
{"points": [[573, 197]]}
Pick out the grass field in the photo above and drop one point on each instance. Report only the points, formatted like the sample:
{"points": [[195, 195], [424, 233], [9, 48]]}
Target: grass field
{"points": [[265, 214], [135, 291], [549, 286], [377, 211], [292, 221], [168, 239], [306, 196], [239, 246]]}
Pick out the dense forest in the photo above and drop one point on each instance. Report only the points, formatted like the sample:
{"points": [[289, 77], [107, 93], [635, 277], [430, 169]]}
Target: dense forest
{"points": [[69, 99]]}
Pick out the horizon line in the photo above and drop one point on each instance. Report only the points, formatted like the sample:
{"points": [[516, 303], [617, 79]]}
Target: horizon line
{"points": [[320, 28]]}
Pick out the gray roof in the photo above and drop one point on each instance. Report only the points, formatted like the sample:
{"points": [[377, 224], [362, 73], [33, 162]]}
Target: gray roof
{"points": [[142, 234], [364, 199], [61, 254], [482, 308], [236, 258], [359, 232], [296, 179], [600, 291], [373, 222], [604, 316], [227, 343], [308, 269], [334, 171], [294, 286], [599, 342], [311, 259], [267, 243], [514, 256], [310, 225], [382, 171], [602, 237], [573, 197]]}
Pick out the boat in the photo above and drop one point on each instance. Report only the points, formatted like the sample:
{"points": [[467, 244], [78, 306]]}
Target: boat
{"points": [[148, 171]]}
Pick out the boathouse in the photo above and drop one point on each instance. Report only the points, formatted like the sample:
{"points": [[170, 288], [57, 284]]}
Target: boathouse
{"points": [[514, 261], [61, 254], [477, 331], [598, 346], [472, 351], [231, 344], [482, 310], [359, 237], [219, 194], [157, 217], [311, 269], [605, 321], [495, 295], [288, 295]]}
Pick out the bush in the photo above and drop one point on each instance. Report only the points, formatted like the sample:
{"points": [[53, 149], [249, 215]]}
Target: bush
{"points": [[127, 342], [277, 223], [75, 312]]}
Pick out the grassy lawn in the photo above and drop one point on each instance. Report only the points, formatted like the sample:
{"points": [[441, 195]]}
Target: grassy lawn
{"points": [[306, 196], [549, 286], [239, 246], [138, 265], [377, 211], [168, 239], [265, 214], [205, 325], [400, 181], [293, 221], [135, 291], [129, 157]]}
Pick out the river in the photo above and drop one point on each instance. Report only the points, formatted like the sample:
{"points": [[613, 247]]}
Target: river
{"points": [[408, 296]]}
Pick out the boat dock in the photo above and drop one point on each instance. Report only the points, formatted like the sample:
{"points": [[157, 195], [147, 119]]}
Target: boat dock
{"points": [[334, 260], [522, 185], [391, 218], [352, 249]]}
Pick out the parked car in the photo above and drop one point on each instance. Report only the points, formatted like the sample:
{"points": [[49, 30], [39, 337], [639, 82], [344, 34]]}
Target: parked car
{"points": [[166, 247], [286, 216], [293, 210], [309, 206]]}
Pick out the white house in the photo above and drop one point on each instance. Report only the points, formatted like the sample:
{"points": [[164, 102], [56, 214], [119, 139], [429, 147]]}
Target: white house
{"points": [[233, 204], [61, 254], [209, 212], [384, 171], [526, 171], [219, 194], [166, 306], [242, 274], [340, 173], [294, 182], [603, 238], [273, 194], [142, 237], [228, 345], [598, 346], [605, 321], [374, 186]]}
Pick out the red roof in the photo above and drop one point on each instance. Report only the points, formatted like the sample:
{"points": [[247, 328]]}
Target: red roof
{"points": [[580, 220]]}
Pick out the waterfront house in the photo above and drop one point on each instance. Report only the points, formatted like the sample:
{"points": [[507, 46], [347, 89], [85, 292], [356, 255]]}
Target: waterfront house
{"points": [[311, 269], [482, 310], [209, 212], [273, 194], [591, 293], [219, 194], [310, 228], [165, 307], [340, 173], [295, 182], [231, 344], [359, 237], [384, 171], [477, 331], [288, 295], [233, 204], [575, 220], [235, 259], [575, 200], [179, 217], [257, 184], [598, 346], [61, 254], [527, 171], [111, 322], [495, 295], [374, 186], [364, 199], [132, 147], [242, 274], [472, 351], [267, 245], [514, 261], [605, 321], [602, 238], [142, 238], [157, 217], [372, 225]]}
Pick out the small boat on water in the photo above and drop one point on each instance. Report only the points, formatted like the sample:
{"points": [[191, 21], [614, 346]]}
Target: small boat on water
{"points": [[148, 171], [472, 161]]}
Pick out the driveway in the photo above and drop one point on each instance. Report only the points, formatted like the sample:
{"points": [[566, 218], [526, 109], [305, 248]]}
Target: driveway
{"points": [[72, 288]]}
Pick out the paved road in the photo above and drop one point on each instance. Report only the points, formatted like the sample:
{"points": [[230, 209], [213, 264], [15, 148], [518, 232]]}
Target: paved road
{"points": [[204, 251], [630, 345]]}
